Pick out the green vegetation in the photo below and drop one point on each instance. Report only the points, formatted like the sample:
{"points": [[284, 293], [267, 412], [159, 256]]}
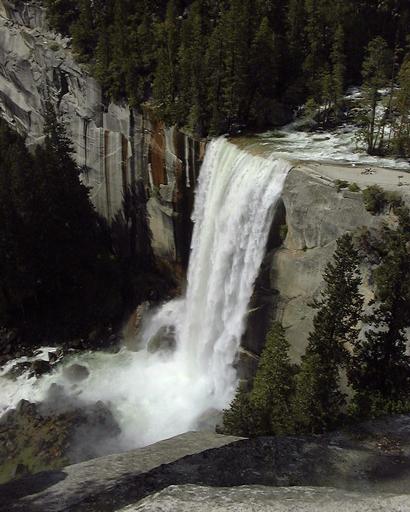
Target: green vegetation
{"points": [[283, 232], [341, 184], [318, 399], [354, 187], [370, 349], [267, 408], [216, 66], [380, 367], [376, 199], [63, 271]]}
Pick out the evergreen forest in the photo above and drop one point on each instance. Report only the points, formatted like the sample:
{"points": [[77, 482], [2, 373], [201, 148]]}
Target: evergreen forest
{"points": [[54, 244], [221, 66]]}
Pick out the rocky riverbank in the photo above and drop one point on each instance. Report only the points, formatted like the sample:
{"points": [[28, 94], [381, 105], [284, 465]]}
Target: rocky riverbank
{"points": [[364, 468]]}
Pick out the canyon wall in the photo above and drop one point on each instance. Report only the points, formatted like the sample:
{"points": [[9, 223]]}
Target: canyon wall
{"points": [[114, 144]]}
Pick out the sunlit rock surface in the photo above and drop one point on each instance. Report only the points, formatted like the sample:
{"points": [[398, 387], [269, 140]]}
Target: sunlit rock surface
{"points": [[365, 466], [315, 215], [192, 498], [113, 143]]}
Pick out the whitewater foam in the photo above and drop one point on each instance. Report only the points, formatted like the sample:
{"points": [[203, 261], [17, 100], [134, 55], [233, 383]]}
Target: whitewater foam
{"points": [[156, 395]]}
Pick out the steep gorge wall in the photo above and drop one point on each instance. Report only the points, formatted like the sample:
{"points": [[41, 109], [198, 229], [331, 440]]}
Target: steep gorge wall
{"points": [[114, 144]]}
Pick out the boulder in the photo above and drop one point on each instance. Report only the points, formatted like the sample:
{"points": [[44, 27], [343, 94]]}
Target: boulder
{"points": [[163, 341], [40, 367], [76, 373], [48, 435]]}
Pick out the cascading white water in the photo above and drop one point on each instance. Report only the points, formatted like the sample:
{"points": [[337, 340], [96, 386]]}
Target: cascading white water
{"points": [[157, 395]]}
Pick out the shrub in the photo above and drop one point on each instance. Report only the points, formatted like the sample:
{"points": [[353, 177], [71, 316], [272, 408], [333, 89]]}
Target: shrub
{"points": [[341, 184], [374, 199], [54, 47], [354, 187], [283, 232]]}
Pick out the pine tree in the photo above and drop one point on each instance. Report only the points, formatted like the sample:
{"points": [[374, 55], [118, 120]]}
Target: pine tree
{"points": [[315, 58], [318, 400], [62, 14], [83, 31], [120, 64], [166, 75], [401, 132], [216, 71], [273, 386], [192, 71], [338, 68], [238, 418], [264, 68], [102, 61], [375, 70], [16, 278], [296, 45], [380, 371]]}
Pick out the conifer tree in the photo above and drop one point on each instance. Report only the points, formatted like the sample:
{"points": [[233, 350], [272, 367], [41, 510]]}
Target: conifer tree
{"points": [[314, 60], [401, 131], [338, 68], [297, 46], [375, 74], [102, 60], [273, 387], [62, 14], [238, 418], [83, 31], [120, 64], [264, 69], [166, 75], [216, 71], [237, 39], [318, 399], [380, 370]]}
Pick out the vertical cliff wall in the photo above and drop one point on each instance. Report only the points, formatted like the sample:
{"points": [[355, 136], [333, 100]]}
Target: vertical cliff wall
{"points": [[114, 144]]}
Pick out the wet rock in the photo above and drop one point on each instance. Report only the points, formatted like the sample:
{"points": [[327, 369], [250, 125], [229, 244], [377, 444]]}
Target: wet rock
{"points": [[93, 337], [246, 364], [24, 407], [76, 373], [133, 328], [40, 367], [76, 344], [163, 341], [210, 420], [56, 356], [20, 471], [63, 430]]}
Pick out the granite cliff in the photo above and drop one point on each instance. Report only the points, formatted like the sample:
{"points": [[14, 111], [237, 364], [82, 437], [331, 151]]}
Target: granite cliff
{"points": [[114, 144]]}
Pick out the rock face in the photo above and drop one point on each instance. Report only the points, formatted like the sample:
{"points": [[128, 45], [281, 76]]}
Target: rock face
{"points": [[52, 434], [356, 467], [316, 215], [194, 498], [114, 144]]}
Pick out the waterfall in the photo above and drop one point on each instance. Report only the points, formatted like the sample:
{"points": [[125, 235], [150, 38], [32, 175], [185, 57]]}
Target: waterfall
{"points": [[158, 394], [234, 206]]}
